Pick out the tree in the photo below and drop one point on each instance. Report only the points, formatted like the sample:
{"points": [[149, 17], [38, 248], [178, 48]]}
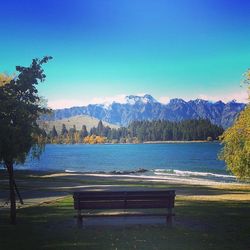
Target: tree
{"points": [[100, 128], [53, 132], [72, 132], [236, 143], [19, 110], [83, 133], [64, 130]]}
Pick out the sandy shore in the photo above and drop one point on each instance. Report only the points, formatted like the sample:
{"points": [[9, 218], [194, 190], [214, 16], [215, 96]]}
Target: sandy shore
{"points": [[145, 178]]}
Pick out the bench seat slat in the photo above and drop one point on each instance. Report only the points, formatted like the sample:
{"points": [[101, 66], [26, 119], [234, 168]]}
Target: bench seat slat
{"points": [[114, 193], [134, 197]]}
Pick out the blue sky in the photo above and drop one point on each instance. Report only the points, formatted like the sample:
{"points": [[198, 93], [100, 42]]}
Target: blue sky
{"points": [[105, 49]]}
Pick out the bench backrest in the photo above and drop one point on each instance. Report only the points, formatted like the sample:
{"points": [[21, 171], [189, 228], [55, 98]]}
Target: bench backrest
{"points": [[123, 200]]}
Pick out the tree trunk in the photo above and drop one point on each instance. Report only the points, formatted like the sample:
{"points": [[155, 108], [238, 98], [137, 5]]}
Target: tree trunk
{"points": [[12, 193]]}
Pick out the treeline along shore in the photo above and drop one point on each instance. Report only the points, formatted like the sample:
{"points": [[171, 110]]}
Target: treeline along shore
{"points": [[136, 132]]}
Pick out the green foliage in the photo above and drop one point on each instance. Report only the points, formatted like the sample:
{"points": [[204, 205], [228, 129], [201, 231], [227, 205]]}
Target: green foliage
{"points": [[187, 130], [236, 150], [19, 132], [236, 142], [19, 111]]}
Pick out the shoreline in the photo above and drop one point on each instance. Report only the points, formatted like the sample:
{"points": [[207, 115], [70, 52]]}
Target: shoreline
{"points": [[144, 173], [163, 142], [137, 175], [131, 143]]}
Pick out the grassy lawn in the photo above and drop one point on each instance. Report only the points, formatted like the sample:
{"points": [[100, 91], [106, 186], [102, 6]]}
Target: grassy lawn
{"points": [[206, 218]]}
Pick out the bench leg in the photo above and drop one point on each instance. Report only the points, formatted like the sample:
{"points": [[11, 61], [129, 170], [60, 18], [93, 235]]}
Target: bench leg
{"points": [[169, 218], [79, 219]]}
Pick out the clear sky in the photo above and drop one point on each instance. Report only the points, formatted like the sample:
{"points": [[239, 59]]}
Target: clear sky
{"points": [[105, 49]]}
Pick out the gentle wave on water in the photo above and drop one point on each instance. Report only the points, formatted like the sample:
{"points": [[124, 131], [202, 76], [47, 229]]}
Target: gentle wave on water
{"points": [[70, 171], [169, 173], [182, 173]]}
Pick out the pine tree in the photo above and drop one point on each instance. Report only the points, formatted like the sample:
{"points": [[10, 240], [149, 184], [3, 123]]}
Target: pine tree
{"points": [[83, 132], [53, 132], [64, 130], [100, 129]]}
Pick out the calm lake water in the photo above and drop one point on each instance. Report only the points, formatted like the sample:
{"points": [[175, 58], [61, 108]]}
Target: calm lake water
{"points": [[177, 159]]}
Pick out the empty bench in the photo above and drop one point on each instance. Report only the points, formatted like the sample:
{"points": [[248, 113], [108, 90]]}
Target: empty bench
{"points": [[102, 200]]}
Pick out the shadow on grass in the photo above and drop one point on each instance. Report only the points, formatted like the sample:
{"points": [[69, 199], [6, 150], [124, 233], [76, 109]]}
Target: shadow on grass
{"points": [[199, 225]]}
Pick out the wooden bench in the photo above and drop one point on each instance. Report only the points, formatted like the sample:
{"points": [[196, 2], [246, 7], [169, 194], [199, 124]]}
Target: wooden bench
{"points": [[91, 200]]}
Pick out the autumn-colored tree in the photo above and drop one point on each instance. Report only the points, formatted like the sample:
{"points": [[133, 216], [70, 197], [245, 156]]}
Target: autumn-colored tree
{"points": [[100, 139], [4, 79], [236, 143], [94, 139]]}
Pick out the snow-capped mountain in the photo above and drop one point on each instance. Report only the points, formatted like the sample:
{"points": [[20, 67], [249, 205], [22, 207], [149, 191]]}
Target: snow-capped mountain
{"points": [[133, 99], [146, 107]]}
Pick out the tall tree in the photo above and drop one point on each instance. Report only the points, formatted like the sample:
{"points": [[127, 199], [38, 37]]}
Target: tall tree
{"points": [[53, 132], [236, 143], [72, 132], [83, 132], [64, 130], [100, 128], [19, 110]]}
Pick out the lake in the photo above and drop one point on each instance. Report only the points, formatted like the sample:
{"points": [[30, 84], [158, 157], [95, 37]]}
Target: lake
{"points": [[170, 159]]}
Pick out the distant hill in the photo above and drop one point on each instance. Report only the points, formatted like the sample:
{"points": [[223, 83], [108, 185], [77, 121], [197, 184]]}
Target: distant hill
{"points": [[78, 121], [138, 108]]}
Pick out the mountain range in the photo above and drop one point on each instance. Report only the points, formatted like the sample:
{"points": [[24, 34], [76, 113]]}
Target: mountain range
{"points": [[147, 107]]}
